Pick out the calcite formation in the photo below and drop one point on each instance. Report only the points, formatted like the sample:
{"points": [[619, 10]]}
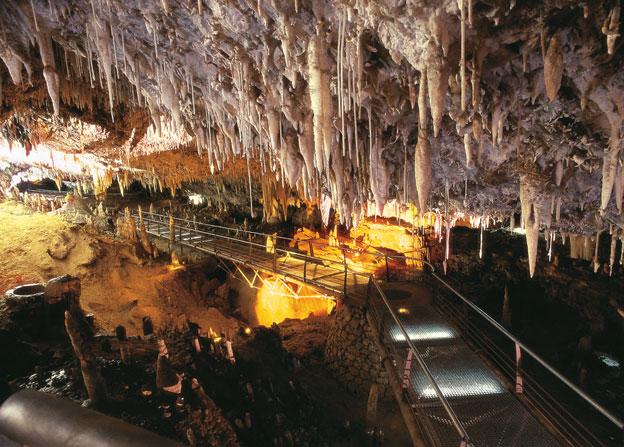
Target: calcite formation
{"points": [[345, 103]]}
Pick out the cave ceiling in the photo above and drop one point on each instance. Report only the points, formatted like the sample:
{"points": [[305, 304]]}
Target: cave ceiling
{"points": [[466, 104]]}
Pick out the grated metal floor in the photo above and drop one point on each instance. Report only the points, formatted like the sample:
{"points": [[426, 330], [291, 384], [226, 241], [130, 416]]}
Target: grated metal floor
{"points": [[492, 416]]}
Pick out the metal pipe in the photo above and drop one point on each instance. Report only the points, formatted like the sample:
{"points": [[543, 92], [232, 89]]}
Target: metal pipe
{"points": [[42, 420]]}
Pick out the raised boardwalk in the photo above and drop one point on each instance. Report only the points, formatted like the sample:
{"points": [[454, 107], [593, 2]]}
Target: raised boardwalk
{"points": [[455, 395]]}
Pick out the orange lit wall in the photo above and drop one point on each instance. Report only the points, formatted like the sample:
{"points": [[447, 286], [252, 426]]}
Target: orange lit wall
{"points": [[277, 301]]}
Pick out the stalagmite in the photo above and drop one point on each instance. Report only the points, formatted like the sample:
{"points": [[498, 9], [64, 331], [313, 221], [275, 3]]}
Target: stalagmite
{"points": [[553, 67], [422, 167], [320, 97]]}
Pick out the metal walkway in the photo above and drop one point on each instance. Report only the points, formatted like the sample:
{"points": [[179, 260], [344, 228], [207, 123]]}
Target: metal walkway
{"points": [[466, 380]]}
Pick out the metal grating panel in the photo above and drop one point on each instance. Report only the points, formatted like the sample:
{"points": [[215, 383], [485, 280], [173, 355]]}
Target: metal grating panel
{"points": [[458, 373], [498, 421], [422, 332]]}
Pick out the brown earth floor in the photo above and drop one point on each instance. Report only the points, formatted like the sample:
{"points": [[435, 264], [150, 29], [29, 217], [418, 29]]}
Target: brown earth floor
{"points": [[117, 286]]}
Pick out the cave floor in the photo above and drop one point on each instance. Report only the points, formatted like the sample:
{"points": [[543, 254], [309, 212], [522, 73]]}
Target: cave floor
{"points": [[118, 287]]}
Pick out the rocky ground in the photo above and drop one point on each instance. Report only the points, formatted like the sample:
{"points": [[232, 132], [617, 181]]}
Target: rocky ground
{"points": [[278, 391], [40, 246]]}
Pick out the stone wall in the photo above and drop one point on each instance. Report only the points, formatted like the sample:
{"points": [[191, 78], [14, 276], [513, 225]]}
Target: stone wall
{"points": [[351, 353]]}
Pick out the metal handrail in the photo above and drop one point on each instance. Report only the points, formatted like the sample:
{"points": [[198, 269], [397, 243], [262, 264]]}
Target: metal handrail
{"points": [[345, 268], [369, 249], [461, 431], [255, 244], [617, 421]]}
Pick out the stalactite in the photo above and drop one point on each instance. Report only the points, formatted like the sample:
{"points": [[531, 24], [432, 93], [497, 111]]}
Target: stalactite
{"points": [[480, 239], [13, 64], [619, 187], [103, 45], [468, 148], [609, 169], [437, 84], [530, 220], [462, 60], [558, 172], [50, 75], [595, 261], [379, 181], [553, 67], [422, 168], [320, 97], [422, 100], [614, 239], [611, 27]]}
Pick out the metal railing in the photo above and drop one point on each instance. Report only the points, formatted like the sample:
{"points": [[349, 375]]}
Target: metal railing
{"points": [[380, 308], [305, 251], [573, 414], [528, 373], [223, 239]]}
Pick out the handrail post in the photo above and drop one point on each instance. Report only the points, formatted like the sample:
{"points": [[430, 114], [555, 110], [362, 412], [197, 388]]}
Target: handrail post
{"points": [[344, 260], [368, 290], [387, 268], [519, 381], [274, 253], [181, 240]]}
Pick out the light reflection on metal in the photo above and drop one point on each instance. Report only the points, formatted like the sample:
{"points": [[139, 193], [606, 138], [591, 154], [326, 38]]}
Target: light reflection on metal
{"points": [[464, 390], [424, 332]]}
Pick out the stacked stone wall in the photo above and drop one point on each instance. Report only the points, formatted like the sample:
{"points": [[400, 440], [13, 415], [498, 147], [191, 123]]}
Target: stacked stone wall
{"points": [[351, 353]]}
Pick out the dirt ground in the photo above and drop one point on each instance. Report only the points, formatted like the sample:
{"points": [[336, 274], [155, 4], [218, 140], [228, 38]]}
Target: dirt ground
{"points": [[117, 286]]}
